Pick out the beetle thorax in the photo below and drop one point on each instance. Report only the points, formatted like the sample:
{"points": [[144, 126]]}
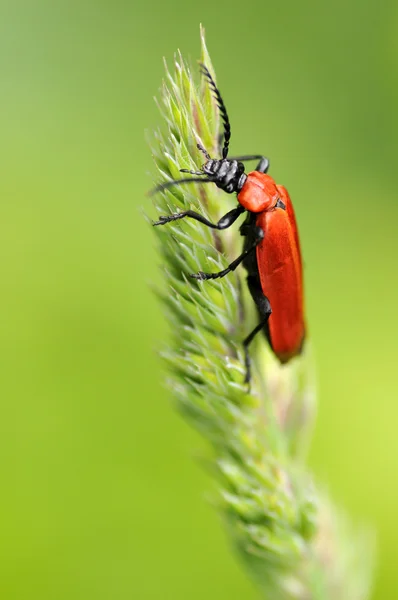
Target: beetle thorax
{"points": [[259, 193], [228, 175]]}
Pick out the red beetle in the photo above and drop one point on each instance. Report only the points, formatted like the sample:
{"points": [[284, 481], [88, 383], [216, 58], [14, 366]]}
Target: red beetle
{"points": [[271, 252]]}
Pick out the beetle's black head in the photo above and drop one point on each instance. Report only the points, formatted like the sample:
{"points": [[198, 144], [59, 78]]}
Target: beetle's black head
{"points": [[228, 175]]}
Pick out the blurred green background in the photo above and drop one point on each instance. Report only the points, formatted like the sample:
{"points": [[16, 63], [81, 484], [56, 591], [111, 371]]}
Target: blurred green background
{"points": [[100, 494]]}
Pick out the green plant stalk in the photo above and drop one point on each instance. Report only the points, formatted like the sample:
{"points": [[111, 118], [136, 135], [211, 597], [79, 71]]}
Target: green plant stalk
{"points": [[293, 542]]}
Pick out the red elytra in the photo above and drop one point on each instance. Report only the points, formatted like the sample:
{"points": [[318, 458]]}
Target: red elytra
{"points": [[278, 261]]}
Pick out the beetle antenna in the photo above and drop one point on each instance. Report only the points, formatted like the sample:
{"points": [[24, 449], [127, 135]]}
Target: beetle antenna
{"points": [[192, 172], [221, 106], [167, 184], [203, 151]]}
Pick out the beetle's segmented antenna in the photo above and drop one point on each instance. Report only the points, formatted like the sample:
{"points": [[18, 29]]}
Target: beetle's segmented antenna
{"points": [[192, 172], [203, 151], [221, 106]]}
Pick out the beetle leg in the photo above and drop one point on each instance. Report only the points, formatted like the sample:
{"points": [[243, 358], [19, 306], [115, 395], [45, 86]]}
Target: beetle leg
{"points": [[202, 276], [264, 309], [225, 221], [246, 343], [262, 166], [245, 228]]}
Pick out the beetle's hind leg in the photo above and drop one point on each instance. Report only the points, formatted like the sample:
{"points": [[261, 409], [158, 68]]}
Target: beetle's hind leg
{"points": [[264, 310]]}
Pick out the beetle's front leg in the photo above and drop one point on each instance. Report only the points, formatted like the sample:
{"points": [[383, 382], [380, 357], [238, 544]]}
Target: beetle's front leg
{"points": [[226, 221]]}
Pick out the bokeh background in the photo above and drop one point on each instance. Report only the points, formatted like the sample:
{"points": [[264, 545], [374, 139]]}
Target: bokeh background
{"points": [[101, 496]]}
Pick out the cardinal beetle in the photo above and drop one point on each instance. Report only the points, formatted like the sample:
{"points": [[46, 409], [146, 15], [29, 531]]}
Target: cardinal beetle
{"points": [[271, 251]]}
